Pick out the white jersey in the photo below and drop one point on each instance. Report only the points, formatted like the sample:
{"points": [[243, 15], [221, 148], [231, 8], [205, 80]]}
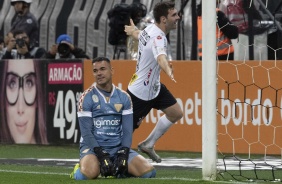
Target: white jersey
{"points": [[145, 83]]}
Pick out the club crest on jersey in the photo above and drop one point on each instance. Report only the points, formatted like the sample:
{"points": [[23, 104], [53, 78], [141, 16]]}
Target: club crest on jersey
{"points": [[159, 37], [95, 98], [118, 107]]}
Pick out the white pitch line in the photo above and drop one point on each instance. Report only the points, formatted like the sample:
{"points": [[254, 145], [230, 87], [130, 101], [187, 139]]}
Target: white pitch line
{"points": [[51, 173], [32, 172], [66, 174], [198, 180]]}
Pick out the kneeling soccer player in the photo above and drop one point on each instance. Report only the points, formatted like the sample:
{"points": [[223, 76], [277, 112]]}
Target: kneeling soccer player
{"points": [[106, 123]]}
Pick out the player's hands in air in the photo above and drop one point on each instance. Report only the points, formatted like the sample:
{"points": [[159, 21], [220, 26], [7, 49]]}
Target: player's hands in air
{"points": [[129, 29], [106, 165], [120, 163], [171, 74]]}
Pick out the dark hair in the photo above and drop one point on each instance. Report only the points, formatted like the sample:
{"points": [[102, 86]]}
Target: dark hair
{"points": [[98, 59], [25, 4], [161, 9], [18, 31]]}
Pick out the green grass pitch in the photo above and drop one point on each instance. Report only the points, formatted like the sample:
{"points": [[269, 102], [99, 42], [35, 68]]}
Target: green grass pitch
{"points": [[18, 172]]}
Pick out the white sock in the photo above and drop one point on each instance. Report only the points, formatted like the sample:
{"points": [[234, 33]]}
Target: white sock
{"points": [[161, 127]]}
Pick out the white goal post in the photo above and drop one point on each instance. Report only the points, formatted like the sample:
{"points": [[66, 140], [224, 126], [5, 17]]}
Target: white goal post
{"points": [[209, 76]]}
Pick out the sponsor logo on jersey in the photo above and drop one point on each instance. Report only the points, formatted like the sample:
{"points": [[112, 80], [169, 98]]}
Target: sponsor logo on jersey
{"points": [[118, 107], [144, 37], [165, 44], [143, 41], [107, 133], [133, 79], [156, 87], [159, 37], [146, 82], [95, 98], [98, 123]]}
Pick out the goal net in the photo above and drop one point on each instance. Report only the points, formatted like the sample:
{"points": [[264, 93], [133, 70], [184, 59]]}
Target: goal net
{"points": [[249, 93]]}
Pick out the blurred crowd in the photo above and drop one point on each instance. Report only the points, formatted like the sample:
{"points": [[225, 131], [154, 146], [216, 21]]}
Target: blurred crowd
{"points": [[22, 41]]}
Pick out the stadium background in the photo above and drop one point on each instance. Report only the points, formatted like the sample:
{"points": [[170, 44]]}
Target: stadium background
{"points": [[86, 22]]}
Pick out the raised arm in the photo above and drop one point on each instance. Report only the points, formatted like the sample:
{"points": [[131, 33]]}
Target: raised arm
{"points": [[132, 30]]}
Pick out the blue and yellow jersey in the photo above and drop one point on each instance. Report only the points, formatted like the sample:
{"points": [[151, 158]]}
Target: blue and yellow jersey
{"points": [[105, 121]]}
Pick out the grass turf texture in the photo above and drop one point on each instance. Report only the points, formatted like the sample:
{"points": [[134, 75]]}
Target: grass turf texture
{"points": [[67, 152], [28, 173]]}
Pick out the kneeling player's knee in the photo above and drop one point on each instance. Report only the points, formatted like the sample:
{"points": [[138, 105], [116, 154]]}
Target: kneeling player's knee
{"points": [[151, 174], [90, 172]]}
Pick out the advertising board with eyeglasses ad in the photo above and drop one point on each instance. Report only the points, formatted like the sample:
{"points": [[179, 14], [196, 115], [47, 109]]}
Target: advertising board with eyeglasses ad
{"points": [[22, 111], [39, 100]]}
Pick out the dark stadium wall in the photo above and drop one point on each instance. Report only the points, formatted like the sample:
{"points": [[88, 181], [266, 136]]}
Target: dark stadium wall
{"points": [[85, 21]]}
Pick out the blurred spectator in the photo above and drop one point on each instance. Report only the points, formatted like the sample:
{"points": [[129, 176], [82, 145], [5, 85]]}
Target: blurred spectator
{"points": [[64, 48], [2, 47], [274, 38], [25, 20], [225, 31], [7, 38], [19, 47]]}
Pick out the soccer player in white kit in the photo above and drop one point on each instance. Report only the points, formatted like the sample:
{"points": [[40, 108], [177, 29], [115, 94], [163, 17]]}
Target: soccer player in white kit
{"points": [[145, 88]]}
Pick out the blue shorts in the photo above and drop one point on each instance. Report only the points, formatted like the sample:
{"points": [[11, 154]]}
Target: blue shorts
{"points": [[84, 150]]}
